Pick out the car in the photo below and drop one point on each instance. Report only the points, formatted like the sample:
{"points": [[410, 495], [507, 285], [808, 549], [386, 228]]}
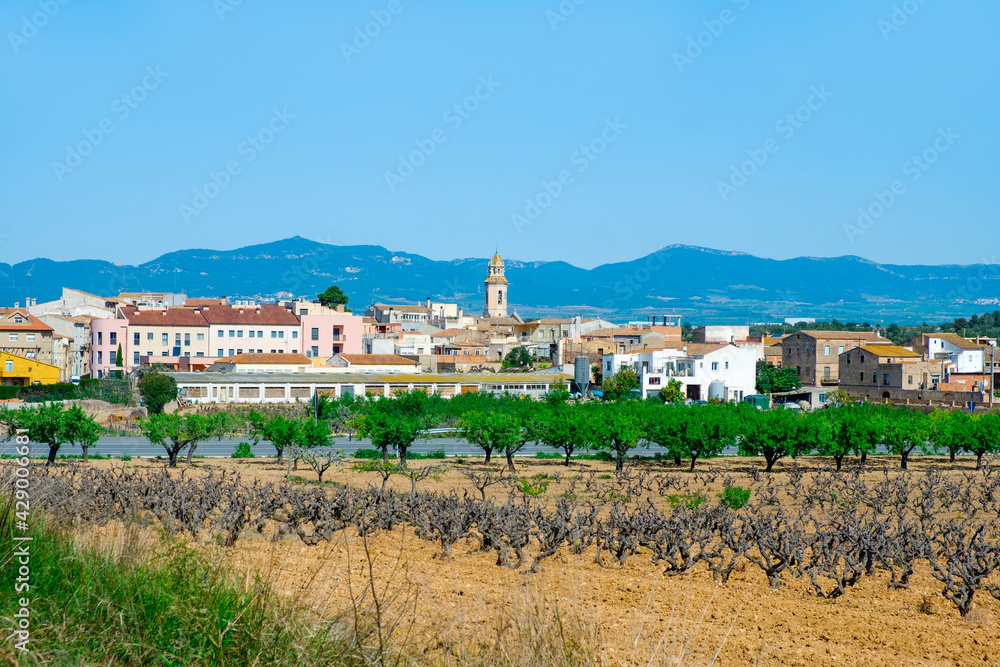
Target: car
{"points": [[75, 380], [790, 406]]}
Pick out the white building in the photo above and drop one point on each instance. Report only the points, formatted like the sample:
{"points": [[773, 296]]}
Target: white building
{"points": [[967, 355], [705, 370]]}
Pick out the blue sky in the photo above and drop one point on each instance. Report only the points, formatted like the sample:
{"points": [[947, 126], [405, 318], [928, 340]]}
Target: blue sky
{"points": [[589, 136]]}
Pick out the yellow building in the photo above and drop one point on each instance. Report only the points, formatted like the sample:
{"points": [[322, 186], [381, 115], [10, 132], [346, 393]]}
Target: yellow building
{"points": [[21, 371]]}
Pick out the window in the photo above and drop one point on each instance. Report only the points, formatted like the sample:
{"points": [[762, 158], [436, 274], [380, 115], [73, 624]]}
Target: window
{"points": [[149, 336], [336, 349], [177, 340], [840, 349], [100, 335], [187, 340], [260, 334], [164, 354], [295, 351], [727, 365], [221, 334], [219, 352], [304, 311], [100, 357], [909, 379], [232, 333], [9, 366], [715, 365], [315, 350], [274, 334], [31, 354], [295, 334], [822, 398], [874, 377], [861, 377], [500, 297], [239, 334], [13, 338], [165, 339], [135, 357], [239, 351], [199, 354], [136, 338], [113, 338], [885, 379], [250, 333], [231, 352], [826, 350], [200, 337], [315, 333], [609, 366], [281, 334]]}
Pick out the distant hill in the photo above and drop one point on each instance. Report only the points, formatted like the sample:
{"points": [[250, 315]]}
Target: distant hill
{"points": [[701, 284]]}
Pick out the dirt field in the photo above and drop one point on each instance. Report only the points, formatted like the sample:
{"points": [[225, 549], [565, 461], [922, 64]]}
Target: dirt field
{"points": [[442, 607]]}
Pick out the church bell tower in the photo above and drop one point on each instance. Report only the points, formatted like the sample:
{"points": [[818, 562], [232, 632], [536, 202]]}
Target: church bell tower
{"points": [[496, 289]]}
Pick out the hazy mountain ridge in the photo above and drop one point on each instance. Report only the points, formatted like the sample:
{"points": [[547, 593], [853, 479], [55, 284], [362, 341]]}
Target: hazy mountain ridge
{"points": [[700, 283]]}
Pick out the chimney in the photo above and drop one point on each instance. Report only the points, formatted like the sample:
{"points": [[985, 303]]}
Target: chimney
{"points": [[17, 304], [428, 302]]}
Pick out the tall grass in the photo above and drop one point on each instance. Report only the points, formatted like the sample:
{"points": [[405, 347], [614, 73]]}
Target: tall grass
{"points": [[127, 604]]}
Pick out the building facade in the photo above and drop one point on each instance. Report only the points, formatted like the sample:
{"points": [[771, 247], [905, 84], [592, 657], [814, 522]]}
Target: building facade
{"points": [[816, 354]]}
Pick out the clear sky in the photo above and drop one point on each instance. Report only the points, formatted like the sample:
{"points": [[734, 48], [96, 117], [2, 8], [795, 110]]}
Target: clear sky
{"points": [[589, 136]]}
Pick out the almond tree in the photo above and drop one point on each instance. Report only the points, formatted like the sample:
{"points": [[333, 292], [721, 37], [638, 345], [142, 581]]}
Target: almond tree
{"points": [[175, 433]]}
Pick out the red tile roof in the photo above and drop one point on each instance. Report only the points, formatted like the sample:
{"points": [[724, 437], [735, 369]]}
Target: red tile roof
{"points": [[27, 323], [266, 358], [376, 360], [251, 315], [164, 317]]}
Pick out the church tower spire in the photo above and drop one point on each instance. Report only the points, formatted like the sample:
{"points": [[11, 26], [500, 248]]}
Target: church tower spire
{"points": [[496, 289]]}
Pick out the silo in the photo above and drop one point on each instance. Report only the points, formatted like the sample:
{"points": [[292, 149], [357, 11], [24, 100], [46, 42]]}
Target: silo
{"points": [[581, 373]]}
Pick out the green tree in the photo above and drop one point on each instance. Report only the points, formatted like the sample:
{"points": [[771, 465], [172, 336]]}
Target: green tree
{"points": [[157, 390], [710, 430], [667, 426], [563, 427], [79, 428], [984, 436], [851, 431], [771, 379], [118, 357], [621, 384], [673, 392], [45, 425], [618, 429], [773, 434], [395, 422], [950, 431], [175, 433], [903, 431], [282, 433], [332, 296], [519, 358], [494, 432]]}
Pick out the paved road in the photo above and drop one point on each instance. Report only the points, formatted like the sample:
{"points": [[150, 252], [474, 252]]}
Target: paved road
{"points": [[140, 447], [137, 447]]}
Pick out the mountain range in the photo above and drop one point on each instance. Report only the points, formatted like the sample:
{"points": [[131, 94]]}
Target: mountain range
{"points": [[701, 284]]}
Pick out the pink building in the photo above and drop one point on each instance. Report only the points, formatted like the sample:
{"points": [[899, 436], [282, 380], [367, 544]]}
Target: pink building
{"points": [[105, 337], [326, 335]]}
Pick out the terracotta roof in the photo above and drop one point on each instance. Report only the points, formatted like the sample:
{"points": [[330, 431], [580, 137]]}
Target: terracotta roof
{"points": [[193, 303], [27, 323], [890, 351], [376, 360], [265, 358], [406, 308], [250, 315], [169, 317], [869, 336], [772, 351], [956, 340]]}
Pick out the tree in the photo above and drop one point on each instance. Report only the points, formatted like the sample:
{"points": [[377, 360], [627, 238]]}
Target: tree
{"points": [[519, 358], [773, 434], [984, 436], [282, 432], [771, 379], [851, 430], [332, 296], [492, 431], [621, 384], [617, 428], [903, 431], [45, 425], [118, 357], [673, 392], [79, 428], [157, 390], [950, 431], [395, 422], [667, 427], [562, 427], [320, 459], [710, 429], [175, 433]]}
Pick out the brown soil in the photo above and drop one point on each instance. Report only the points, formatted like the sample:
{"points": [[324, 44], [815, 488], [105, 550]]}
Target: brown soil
{"points": [[438, 608]]}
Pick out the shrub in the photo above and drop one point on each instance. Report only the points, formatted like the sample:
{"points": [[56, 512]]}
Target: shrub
{"points": [[735, 497], [243, 451], [691, 501]]}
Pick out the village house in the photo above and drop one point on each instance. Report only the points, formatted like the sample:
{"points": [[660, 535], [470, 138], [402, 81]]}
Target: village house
{"points": [[815, 355]]}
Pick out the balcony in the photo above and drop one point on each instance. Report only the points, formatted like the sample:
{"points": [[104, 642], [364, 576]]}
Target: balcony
{"points": [[341, 338]]}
